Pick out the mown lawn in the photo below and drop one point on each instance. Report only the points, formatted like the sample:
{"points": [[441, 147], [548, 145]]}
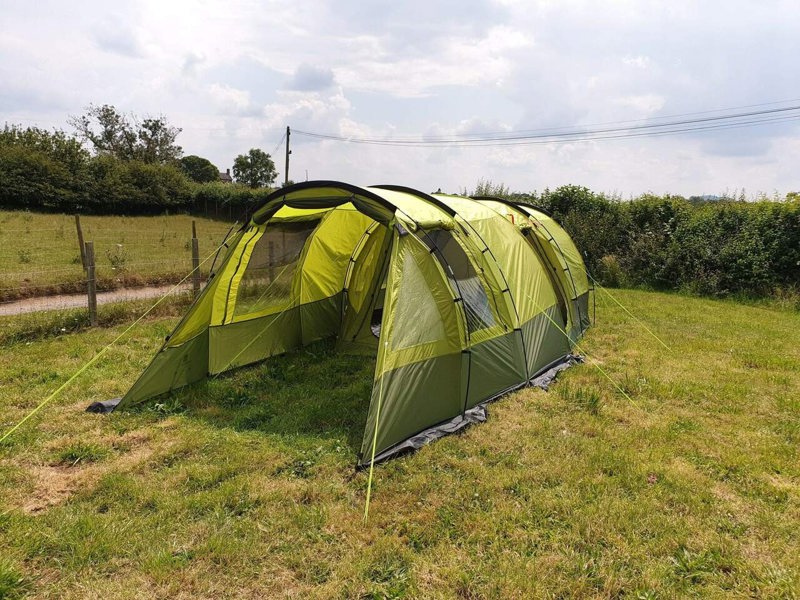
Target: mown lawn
{"points": [[245, 487], [39, 253]]}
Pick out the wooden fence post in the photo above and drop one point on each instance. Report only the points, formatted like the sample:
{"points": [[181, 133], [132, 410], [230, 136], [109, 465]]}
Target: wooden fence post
{"points": [[91, 283], [195, 260], [80, 240]]}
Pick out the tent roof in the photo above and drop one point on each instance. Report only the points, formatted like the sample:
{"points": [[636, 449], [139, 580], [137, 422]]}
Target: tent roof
{"points": [[380, 202]]}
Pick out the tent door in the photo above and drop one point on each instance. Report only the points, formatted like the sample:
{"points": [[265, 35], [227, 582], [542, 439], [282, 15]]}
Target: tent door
{"points": [[363, 302]]}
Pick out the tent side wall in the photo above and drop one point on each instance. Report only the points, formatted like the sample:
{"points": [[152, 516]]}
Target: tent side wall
{"points": [[575, 265]]}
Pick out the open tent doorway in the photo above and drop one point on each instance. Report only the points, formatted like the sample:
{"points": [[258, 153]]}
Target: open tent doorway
{"points": [[446, 292]]}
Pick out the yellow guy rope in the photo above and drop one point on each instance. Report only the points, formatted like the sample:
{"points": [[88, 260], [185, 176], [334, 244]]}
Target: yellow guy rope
{"points": [[102, 352], [581, 350], [630, 314]]}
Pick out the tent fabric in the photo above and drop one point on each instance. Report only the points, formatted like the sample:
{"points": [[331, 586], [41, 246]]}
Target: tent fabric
{"points": [[460, 299]]}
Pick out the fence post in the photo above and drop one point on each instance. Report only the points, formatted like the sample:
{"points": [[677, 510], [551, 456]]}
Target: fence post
{"points": [[91, 283], [80, 240], [195, 260]]}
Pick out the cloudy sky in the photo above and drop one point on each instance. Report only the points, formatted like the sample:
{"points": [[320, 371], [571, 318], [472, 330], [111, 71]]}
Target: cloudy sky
{"points": [[233, 74]]}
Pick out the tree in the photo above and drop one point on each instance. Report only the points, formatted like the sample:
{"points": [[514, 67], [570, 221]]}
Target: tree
{"points": [[111, 133], [40, 168], [255, 169], [199, 169]]}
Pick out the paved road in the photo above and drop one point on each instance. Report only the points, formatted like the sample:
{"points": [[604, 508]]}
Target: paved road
{"points": [[65, 301]]}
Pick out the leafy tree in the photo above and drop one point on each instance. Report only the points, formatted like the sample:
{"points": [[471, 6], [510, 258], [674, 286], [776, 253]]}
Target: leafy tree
{"points": [[199, 169], [151, 140], [255, 169], [39, 168]]}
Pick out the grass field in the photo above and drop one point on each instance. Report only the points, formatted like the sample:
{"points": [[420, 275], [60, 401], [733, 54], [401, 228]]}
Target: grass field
{"points": [[39, 253], [245, 487]]}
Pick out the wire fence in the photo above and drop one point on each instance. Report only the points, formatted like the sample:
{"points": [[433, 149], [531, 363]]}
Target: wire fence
{"points": [[43, 268]]}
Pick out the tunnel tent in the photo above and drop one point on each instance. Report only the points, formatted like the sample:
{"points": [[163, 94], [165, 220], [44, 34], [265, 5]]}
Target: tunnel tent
{"points": [[455, 303]]}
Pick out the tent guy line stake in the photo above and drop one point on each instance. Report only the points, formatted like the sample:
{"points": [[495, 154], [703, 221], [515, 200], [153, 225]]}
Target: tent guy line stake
{"points": [[102, 352], [374, 442], [630, 314], [580, 349]]}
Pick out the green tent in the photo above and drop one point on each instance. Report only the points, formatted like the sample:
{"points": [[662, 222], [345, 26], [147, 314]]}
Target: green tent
{"points": [[461, 299]]}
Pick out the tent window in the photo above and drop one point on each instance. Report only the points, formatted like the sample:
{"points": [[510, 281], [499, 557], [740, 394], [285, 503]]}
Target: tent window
{"points": [[463, 278], [267, 280], [416, 315]]}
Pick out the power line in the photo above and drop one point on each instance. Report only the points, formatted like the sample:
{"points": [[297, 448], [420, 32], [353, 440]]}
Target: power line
{"points": [[278, 145], [521, 138]]}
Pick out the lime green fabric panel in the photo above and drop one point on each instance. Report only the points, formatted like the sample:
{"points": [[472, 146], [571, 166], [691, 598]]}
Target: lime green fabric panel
{"points": [[329, 251], [232, 270], [420, 316], [469, 209], [492, 279], [523, 269], [516, 216], [415, 209], [170, 369], [412, 398], [567, 248]]}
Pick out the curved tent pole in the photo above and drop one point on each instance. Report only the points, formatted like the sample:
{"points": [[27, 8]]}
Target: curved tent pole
{"points": [[275, 201]]}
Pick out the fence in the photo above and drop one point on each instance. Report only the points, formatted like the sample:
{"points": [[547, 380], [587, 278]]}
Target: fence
{"points": [[47, 267]]}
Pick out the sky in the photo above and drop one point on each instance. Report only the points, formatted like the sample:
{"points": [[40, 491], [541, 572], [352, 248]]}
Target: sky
{"points": [[234, 74]]}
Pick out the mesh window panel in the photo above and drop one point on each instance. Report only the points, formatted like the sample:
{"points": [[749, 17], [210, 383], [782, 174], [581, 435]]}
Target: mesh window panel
{"points": [[416, 316], [463, 278], [267, 280]]}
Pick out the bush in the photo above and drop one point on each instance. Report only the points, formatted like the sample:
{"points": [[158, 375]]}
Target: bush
{"points": [[717, 248]]}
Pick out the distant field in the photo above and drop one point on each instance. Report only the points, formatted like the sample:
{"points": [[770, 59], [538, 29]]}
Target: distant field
{"points": [[245, 487], [39, 253]]}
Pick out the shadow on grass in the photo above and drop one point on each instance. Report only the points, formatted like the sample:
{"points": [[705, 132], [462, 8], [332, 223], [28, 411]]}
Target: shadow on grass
{"points": [[315, 391]]}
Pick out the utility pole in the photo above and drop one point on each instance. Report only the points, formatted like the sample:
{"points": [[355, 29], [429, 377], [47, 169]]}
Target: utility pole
{"points": [[288, 152]]}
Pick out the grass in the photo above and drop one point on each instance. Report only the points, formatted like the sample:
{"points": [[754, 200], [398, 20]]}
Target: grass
{"points": [[39, 253], [245, 486]]}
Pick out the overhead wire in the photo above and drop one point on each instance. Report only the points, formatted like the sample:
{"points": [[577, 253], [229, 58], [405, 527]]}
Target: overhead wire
{"points": [[530, 137]]}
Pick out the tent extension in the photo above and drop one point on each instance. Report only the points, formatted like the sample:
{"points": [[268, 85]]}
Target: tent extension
{"points": [[461, 299]]}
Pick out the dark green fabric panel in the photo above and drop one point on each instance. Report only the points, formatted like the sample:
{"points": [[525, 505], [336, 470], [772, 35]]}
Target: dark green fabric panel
{"points": [[246, 342], [414, 397], [171, 368], [496, 365], [583, 306], [320, 319], [544, 341]]}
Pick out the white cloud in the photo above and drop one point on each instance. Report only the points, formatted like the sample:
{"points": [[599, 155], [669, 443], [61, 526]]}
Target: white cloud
{"points": [[233, 75], [644, 103]]}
